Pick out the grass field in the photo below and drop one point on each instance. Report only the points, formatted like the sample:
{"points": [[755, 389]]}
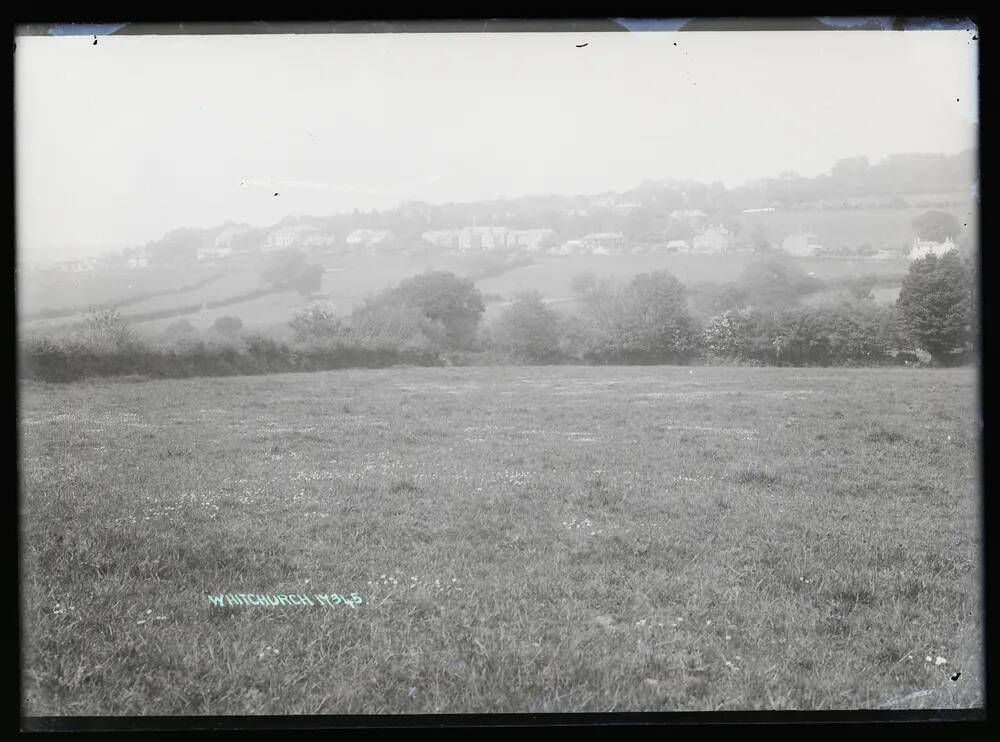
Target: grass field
{"points": [[523, 539]]}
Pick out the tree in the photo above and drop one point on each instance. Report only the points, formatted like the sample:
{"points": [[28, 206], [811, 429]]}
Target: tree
{"points": [[775, 284], [729, 336], [227, 326], [937, 226], [443, 297], [527, 331], [107, 330], [180, 328], [589, 287], [391, 323], [650, 322], [178, 246], [936, 304], [850, 167], [317, 323], [860, 287], [181, 333]]}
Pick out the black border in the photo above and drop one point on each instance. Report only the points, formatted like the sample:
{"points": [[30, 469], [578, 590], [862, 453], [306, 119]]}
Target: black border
{"points": [[493, 19]]}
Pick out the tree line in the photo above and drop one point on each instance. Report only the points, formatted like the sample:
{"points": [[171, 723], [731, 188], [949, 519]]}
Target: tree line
{"points": [[437, 318]]}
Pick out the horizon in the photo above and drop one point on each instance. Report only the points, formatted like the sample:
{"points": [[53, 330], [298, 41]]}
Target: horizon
{"points": [[108, 133]]}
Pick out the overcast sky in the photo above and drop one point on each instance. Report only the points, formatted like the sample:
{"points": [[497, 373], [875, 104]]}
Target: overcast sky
{"points": [[119, 142]]}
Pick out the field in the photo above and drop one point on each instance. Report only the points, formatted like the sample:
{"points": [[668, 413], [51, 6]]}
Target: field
{"points": [[522, 539], [348, 280]]}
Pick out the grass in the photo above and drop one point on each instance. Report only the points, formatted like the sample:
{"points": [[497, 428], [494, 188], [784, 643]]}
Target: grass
{"points": [[524, 540]]}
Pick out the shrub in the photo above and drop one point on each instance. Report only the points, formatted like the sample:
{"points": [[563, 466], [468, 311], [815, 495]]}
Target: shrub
{"points": [[527, 331], [227, 326]]}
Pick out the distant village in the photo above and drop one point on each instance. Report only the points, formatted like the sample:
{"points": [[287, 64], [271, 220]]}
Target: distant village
{"points": [[707, 239], [656, 218]]}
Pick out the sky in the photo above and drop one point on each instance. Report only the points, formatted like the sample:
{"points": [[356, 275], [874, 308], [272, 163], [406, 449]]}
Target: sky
{"points": [[119, 142]]}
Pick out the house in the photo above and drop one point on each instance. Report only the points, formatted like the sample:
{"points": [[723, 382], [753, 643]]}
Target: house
{"points": [[688, 214], [680, 246], [483, 238], [138, 259], [531, 239], [296, 235], [758, 211], [626, 207], [208, 253], [604, 243], [368, 237], [570, 247], [802, 245], [713, 241], [86, 265], [923, 248], [443, 238]]}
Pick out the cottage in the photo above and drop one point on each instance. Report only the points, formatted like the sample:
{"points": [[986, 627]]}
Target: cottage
{"points": [[208, 253], [297, 235], [368, 237], [680, 246], [531, 239], [443, 238], [483, 238], [802, 244], [604, 243], [714, 240], [570, 247], [923, 248], [138, 259]]}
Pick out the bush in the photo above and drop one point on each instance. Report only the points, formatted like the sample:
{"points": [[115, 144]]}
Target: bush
{"points": [[107, 329], [227, 326], [317, 324], [527, 331]]}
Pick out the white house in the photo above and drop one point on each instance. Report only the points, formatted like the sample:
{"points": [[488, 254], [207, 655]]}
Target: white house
{"points": [[87, 265], [444, 238], [570, 247], [368, 237], [923, 248], [802, 245], [532, 239], [713, 241], [483, 238], [604, 243], [680, 246], [138, 259], [293, 235]]}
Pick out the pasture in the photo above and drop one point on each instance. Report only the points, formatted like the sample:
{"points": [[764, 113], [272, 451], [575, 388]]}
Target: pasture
{"points": [[549, 539]]}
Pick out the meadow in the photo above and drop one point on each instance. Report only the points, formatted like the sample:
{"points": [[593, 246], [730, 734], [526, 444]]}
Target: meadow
{"points": [[548, 539]]}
